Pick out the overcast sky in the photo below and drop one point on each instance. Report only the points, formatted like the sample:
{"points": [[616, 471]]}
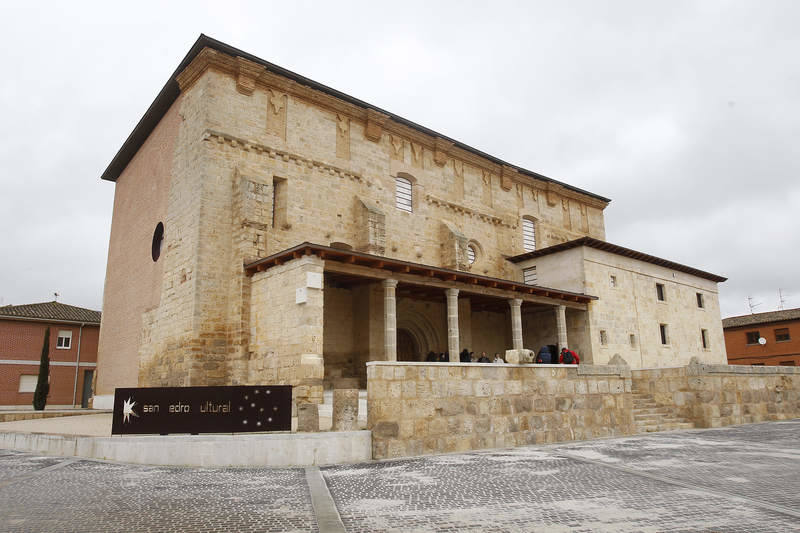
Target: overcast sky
{"points": [[685, 114]]}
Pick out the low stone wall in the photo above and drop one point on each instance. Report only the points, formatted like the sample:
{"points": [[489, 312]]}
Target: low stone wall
{"points": [[723, 395], [424, 408]]}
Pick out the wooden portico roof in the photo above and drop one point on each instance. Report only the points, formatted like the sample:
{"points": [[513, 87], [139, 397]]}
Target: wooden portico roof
{"points": [[367, 265]]}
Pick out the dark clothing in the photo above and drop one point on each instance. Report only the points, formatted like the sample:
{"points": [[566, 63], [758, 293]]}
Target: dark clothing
{"points": [[432, 357], [464, 356], [443, 358], [484, 359], [545, 356]]}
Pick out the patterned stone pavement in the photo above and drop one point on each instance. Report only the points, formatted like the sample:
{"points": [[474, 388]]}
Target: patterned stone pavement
{"points": [[744, 478]]}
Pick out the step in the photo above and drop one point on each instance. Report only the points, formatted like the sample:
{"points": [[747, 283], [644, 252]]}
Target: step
{"points": [[650, 410]]}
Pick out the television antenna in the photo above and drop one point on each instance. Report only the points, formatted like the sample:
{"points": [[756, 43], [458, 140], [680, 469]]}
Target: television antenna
{"points": [[751, 304], [781, 299], [55, 296]]}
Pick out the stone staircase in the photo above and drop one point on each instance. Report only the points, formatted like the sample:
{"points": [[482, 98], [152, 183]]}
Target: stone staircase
{"points": [[650, 416]]}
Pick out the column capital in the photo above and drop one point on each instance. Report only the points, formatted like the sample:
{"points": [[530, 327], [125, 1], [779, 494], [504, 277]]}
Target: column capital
{"points": [[389, 283], [515, 302], [451, 293]]}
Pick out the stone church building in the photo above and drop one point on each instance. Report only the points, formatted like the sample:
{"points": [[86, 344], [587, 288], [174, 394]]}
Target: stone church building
{"points": [[270, 229]]}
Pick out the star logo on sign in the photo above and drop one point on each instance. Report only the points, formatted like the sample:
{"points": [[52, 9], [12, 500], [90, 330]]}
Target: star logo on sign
{"points": [[127, 410]]}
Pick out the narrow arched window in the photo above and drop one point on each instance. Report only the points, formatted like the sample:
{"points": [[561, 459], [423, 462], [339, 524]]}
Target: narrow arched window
{"points": [[528, 235], [471, 254], [402, 195]]}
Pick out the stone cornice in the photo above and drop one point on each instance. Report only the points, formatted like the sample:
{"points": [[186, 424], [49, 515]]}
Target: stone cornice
{"points": [[249, 75], [457, 208], [283, 155]]}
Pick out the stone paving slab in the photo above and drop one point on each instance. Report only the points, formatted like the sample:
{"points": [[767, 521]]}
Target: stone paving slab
{"points": [[722, 480]]}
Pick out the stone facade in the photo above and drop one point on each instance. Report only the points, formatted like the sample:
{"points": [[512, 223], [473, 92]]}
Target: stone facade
{"points": [[628, 310], [246, 163]]}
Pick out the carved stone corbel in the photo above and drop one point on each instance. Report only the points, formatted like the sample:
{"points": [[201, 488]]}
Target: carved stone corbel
{"points": [[375, 122], [441, 150], [506, 179], [247, 75]]}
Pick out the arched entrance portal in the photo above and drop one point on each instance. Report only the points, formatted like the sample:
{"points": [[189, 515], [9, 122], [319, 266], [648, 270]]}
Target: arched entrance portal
{"points": [[407, 346]]}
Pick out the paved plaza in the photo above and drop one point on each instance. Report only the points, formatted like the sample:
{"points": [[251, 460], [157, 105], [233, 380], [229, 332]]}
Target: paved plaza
{"points": [[743, 478]]}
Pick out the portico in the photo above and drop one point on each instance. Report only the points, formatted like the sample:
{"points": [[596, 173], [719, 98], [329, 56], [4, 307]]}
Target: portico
{"points": [[380, 309]]}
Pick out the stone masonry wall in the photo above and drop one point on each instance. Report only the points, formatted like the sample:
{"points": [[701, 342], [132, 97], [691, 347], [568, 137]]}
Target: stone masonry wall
{"points": [[424, 408], [722, 395], [286, 333]]}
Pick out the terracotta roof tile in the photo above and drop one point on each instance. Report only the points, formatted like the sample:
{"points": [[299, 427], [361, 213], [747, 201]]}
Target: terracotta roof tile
{"points": [[761, 318], [51, 311]]}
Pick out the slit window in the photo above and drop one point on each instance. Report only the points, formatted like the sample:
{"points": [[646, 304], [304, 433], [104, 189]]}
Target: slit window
{"points": [[664, 334], [632, 339], [529, 276], [612, 281], [700, 303], [528, 235], [704, 339], [279, 193], [402, 195], [603, 337], [661, 293]]}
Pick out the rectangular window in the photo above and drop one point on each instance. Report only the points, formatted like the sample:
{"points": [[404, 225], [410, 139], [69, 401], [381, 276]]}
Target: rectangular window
{"points": [[757, 364], [529, 276], [64, 340], [664, 333], [603, 337], [660, 292], [704, 338], [403, 194], [528, 235], [752, 337], [279, 200], [787, 363], [28, 383], [632, 340], [700, 303], [613, 281], [782, 335]]}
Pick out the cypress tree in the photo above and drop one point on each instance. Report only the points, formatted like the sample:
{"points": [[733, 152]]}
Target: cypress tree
{"points": [[43, 383]]}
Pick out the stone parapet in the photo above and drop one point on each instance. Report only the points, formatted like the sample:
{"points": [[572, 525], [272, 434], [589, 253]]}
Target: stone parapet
{"points": [[722, 395], [424, 408]]}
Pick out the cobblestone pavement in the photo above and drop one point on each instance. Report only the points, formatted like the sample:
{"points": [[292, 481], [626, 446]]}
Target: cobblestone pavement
{"points": [[744, 478]]}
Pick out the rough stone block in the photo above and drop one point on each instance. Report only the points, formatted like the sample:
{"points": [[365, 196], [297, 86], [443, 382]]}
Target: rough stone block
{"points": [[308, 417], [345, 410]]}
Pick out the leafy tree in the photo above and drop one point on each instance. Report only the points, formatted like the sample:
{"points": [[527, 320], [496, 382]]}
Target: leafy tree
{"points": [[43, 384]]}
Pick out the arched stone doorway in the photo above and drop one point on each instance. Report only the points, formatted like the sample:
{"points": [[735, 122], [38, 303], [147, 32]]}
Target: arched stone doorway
{"points": [[407, 346]]}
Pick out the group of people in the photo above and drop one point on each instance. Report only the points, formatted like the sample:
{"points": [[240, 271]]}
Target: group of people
{"points": [[547, 355], [465, 357]]}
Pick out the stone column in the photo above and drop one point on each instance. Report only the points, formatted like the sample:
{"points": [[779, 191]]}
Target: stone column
{"points": [[389, 320], [452, 324], [561, 326], [516, 323]]}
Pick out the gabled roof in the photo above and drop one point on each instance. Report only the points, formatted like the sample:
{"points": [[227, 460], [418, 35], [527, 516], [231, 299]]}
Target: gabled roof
{"points": [[51, 311], [761, 318], [169, 93], [619, 250]]}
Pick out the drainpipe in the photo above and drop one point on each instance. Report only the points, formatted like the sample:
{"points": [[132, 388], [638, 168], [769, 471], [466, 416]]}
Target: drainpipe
{"points": [[77, 366]]}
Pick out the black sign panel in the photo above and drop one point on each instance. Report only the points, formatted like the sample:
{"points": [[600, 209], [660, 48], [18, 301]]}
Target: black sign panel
{"points": [[202, 409]]}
